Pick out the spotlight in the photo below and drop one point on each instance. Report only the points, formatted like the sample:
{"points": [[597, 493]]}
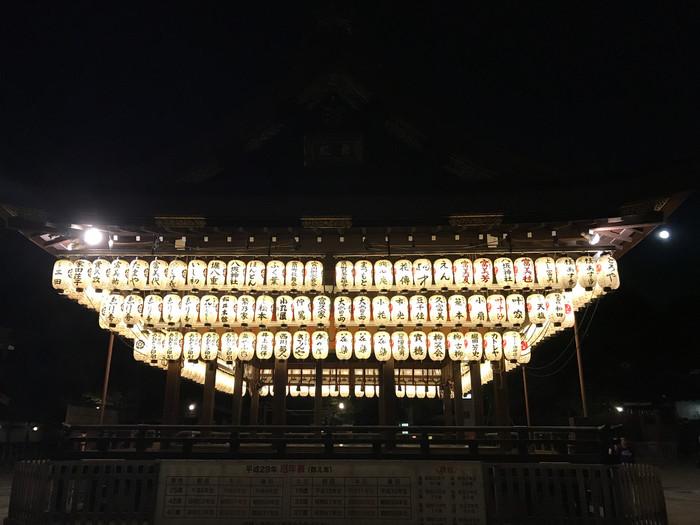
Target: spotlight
{"points": [[341, 406], [664, 234], [619, 408], [192, 407], [92, 236], [592, 237]]}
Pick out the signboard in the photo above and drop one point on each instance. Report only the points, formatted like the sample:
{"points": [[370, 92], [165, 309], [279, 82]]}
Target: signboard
{"points": [[314, 492]]}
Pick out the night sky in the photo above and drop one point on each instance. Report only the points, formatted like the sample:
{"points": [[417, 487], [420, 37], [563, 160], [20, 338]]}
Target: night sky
{"points": [[92, 94]]}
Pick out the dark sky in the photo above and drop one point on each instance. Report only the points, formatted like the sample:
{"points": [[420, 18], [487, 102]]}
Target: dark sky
{"points": [[91, 92]]}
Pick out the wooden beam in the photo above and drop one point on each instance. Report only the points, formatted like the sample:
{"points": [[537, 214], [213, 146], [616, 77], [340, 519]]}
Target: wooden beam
{"points": [[237, 405], [206, 417], [477, 392], [172, 393], [279, 401]]}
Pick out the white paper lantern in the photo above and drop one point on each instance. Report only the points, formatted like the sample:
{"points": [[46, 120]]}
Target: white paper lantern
{"points": [[313, 276], [437, 309], [496, 307], [192, 346], [493, 346], [607, 274], [344, 275], [255, 274], [511, 345], [363, 275], [264, 309], [556, 312], [546, 272], [361, 309], [463, 272], [585, 271], [359, 391], [177, 275], [437, 348], [525, 272], [216, 275], [173, 345], [477, 309], [417, 345], [569, 314], [235, 274], [422, 274], [319, 345], [284, 309], [381, 310], [294, 275], [443, 274], [274, 275], [515, 308], [400, 391], [152, 309], [158, 275], [537, 309], [171, 309], [283, 345], [399, 345], [363, 344], [101, 270], [209, 309], [566, 273], [302, 309], [246, 345], [265, 344], [62, 277], [504, 271], [383, 274], [133, 308], [474, 346], [381, 341], [141, 347], [321, 309], [138, 274], [246, 310], [525, 353], [210, 346], [112, 309], [189, 310], [418, 307], [228, 304], [82, 274], [342, 309], [229, 347], [456, 347], [483, 273], [156, 346], [457, 309], [196, 275], [403, 274], [399, 309], [343, 345]]}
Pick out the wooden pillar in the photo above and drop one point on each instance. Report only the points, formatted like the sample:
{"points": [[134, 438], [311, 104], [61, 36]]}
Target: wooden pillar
{"points": [[457, 386], [388, 393], [477, 393], [447, 404], [206, 417], [500, 393], [318, 394], [236, 407], [279, 401], [172, 393], [103, 405], [254, 389]]}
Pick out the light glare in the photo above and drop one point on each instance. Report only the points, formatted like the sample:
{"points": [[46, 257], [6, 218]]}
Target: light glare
{"points": [[664, 234], [93, 236]]}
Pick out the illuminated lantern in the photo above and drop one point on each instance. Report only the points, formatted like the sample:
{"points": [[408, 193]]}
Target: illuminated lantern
{"points": [[319, 345], [264, 309], [235, 274], [483, 273], [62, 278], [477, 309], [515, 307], [141, 347], [283, 345], [246, 345], [158, 274], [216, 275], [381, 341], [342, 309], [313, 276], [566, 273], [505, 272], [474, 346], [343, 275], [363, 275], [436, 345], [274, 275], [443, 273], [463, 272], [112, 309], [302, 309], [606, 273], [363, 344], [359, 391], [101, 270], [437, 309], [403, 274], [422, 274], [82, 274], [189, 310], [525, 272], [417, 345], [192, 346], [511, 345], [294, 275], [118, 274], [456, 347], [343, 345], [209, 309], [156, 346], [344, 390], [370, 391], [383, 274], [578, 296], [537, 309], [418, 305], [556, 312], [246, 310], [496, 307], [228, 305], [284, 309], [568, 310], [152, 308], [361, 309], [457, 309], [380, 309], [321, 309], [493, 346], [400, 391], [171, 309], [173, 345], [133, 306], [138, 274], [420, 391], [177, 275], [229, 347], [410, 391], [525, 353], [254, 274], [585, 271], [399, 309], [265, 344], [546, 272], [399, 345]]}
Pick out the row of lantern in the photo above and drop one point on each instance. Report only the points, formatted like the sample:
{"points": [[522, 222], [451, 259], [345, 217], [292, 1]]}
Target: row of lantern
{"points": [[218, 275], [209, 346], [368, 391]]}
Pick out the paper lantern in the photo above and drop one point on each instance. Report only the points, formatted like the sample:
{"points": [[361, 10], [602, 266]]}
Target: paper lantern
{"points": [[422, 274], [177, 275], [483, 273], [138, 274], [363, 344], [398, 308], [192, 346], [101, 270], [246, 310], [443, 274], [359, 391], [437, 309], [216, 275], [82, 275], [344, 275], [173, 345], [235, 274], [556, 312], [476, 305], [399, 345], [229, 347], [380, 310], [607, 274], [537, 309], [569, 314], [228, 304], [343, 345], [189, 310], [294, 275], [62, 277], [525, 353], [274, 275], [525, 272], [381, 341], [284, 310], [255, 274], [246, 345], [496, 308], [321, 309], [158, 274], [112, 309], [141, 347], [400, 391], [265, 344], [319, 345], [418, 308], [283, 345], [585, 271], [264, 309], [511, 345], [456, 347], [118, 274], [474, 344], [171, 309], [313, 276], [504, 271], [463, 272], [209, 309], [566, 273], [515, 308], [383, 275], [156, 346], [493, 346], [457, 309], [437, 346], [546, 272], [361, 309], [302, 309], [403, 274], [579, 296], [417, 345], [133, 307], [370, 391], [152, 309], [410, 391], [342, 309], [363, 275]]}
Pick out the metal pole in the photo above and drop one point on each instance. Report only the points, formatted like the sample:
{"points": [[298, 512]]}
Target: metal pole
{"points": [[104, 388], [580, 368], [527, 403]]}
